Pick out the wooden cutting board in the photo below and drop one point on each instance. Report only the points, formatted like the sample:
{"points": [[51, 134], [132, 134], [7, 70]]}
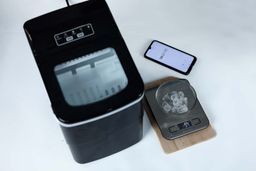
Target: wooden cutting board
{"points": [[170, 146]]}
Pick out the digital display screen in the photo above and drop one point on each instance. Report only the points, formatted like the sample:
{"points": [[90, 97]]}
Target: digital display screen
{"points": [[185, 125], [170, 56]]}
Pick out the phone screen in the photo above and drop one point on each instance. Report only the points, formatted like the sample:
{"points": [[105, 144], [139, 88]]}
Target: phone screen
{"points": [[170, 57]]}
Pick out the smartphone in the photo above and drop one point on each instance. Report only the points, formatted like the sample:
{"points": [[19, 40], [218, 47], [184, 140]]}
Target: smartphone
{"points": [[170, 57]]}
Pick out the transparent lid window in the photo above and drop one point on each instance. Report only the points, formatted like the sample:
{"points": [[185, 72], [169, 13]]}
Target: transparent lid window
{"points": [[91, 78]]}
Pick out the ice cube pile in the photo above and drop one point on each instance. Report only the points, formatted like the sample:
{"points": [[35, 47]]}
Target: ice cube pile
{"points": [[175, 101]]}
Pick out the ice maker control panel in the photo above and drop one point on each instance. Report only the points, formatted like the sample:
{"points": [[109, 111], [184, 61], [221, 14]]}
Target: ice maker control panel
{"points": [[74, 34]]}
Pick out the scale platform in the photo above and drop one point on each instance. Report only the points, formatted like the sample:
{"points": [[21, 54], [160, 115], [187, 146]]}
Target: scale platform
{"points": [[176, 130]]}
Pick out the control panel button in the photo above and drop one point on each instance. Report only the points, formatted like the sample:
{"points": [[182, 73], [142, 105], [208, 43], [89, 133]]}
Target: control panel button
{"points": [[69, 38], [174, 129], [79, 35], [196, 121]]}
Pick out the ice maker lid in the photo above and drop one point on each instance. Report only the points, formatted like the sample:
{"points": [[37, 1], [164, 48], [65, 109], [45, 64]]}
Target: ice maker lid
{"points": [[89, 77]]}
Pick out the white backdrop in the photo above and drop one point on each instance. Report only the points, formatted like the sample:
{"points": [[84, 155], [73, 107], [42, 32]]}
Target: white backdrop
{"points": [[222, 34]]}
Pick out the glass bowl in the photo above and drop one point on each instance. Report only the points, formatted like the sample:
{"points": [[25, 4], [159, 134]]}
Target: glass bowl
{"points": [[176, 97]]}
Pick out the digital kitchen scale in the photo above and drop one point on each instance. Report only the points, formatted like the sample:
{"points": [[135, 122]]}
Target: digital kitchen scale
{"points": [[176, 109]]}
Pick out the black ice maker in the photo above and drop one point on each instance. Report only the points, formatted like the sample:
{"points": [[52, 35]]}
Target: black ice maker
{"points": [[94, 87]]}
